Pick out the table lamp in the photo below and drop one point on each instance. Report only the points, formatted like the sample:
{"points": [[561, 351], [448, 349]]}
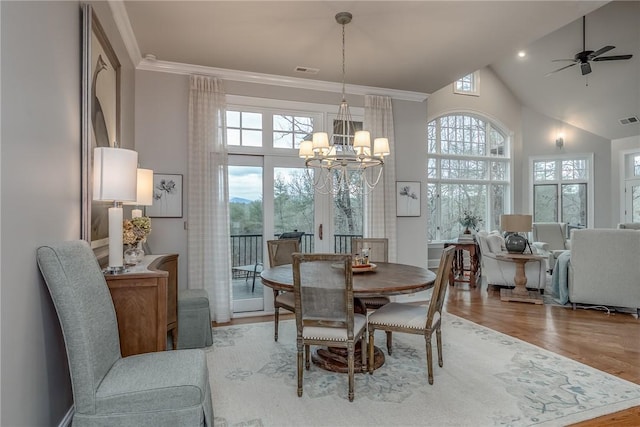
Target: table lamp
{"points": [[115, 180], [144, 193], [513, 225]]}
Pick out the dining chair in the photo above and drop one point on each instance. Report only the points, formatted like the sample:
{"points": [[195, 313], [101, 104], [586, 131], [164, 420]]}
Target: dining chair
{"points": [[280, 252], [166, 388], [378, 252], [323, 291], [415, 319]]}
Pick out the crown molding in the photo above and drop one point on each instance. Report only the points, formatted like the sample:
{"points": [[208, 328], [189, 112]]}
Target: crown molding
{"points": [[121, 17], [272, 79]]}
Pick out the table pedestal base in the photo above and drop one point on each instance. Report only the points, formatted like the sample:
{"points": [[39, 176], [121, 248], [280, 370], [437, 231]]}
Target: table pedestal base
{"points": [[334, 359], [517, 295]]}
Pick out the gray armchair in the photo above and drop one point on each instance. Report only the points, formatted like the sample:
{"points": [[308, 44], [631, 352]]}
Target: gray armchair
{"points": [[550, 240], [166, 388]]}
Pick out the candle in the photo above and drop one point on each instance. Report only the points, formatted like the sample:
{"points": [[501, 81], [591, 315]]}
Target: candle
{"points": [[115, 237]]}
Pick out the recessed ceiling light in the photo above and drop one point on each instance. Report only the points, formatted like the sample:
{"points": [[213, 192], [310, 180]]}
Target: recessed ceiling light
{"points": [[522, 54]]}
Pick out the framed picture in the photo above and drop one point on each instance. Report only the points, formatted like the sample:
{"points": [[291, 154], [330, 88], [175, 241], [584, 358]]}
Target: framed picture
{"points": [[407, 198], [167, 196], [100, 122]]}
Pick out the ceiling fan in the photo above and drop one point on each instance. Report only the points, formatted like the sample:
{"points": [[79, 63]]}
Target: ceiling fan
{"points": [[586, 56]]}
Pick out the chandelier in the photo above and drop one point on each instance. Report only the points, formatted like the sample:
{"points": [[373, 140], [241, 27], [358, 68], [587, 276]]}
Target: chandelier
{"points": [[345, 160]]}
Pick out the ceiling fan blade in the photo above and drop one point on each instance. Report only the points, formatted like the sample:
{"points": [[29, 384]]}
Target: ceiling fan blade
{"points": [[601, 51], [613, 58], [563, 60], [585, 68], [560, 69]]}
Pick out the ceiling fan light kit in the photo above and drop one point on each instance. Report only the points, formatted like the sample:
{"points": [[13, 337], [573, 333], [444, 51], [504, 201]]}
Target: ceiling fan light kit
{"points": [[585, 57]]}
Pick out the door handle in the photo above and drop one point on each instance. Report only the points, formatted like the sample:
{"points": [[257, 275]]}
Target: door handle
{"points": [[320, 231]]}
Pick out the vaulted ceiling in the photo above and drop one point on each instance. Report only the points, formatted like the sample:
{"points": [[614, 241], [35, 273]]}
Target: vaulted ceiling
{"points": [[418, 46]]}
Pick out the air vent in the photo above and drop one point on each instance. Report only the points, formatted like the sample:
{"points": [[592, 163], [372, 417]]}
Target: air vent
{"points": [[306, 70], [629, 120]]}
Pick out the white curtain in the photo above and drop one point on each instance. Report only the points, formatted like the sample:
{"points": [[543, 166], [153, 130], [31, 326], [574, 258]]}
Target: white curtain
{"points": [[380, 204], [209, 262]]}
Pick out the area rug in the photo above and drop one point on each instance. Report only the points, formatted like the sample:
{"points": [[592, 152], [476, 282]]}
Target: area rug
{"points": [[488, 379]]}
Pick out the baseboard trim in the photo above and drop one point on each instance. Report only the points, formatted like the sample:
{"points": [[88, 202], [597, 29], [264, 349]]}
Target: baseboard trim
{"points": [[68, 418]]}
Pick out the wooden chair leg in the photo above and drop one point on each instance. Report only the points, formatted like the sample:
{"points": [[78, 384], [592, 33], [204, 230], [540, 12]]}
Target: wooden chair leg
{"points": [[429, 360], [307, 357], [370, 350], [363, 352], [350, 363], [300, 370], [389, 342], [439, 343]]}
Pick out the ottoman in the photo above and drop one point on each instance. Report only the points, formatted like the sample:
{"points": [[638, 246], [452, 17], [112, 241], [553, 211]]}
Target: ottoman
{"points": [[194, 319]]}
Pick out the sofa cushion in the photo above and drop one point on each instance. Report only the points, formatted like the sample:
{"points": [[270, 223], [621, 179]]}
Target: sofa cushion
{"points": [[495, 243]]}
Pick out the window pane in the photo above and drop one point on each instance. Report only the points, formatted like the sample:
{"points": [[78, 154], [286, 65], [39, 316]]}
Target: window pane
{"points": [[233, 119], [252, 138], [498, 203], [497, 144], [463, 135], [635, 203], [431, 137], [499, 171], [574, 203], [282, 122], [233, 136], [574, 169], [282, 140], [432, 171], [464, 169], [251, 120], [432, 218], [293, 201], [545, 203], [544, 171], [454, 200], [245, 200], [636, 165]]}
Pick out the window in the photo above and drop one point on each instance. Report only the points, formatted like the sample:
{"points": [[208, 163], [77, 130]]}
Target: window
{"points": [[244, 128], [561, 190], [468, 169], [468, 85]]}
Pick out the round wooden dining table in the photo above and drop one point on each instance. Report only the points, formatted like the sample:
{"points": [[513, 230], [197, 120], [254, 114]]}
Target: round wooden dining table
{"points": [[385, 280]]}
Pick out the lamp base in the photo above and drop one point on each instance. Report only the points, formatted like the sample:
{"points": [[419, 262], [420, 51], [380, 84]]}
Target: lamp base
{"points": [[515, 243], [115, 270]]}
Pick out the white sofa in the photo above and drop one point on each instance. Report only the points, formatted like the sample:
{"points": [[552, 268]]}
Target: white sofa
{"points": [[629, 226], [501, 272], [604, 268]]}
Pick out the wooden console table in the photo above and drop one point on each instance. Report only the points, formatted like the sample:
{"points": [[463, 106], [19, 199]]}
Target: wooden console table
{"points": [[146, 303], [458, 270]]}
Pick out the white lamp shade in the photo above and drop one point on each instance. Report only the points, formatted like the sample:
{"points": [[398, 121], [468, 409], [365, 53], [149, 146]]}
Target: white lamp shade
{"points": [[516, 223], [321, 142], [362, 139], [145, 187], [381, 147], [115, 174], [306, 149]]}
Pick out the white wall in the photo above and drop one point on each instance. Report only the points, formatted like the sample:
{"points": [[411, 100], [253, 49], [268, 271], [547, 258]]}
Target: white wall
{"points": [[40, 194]]}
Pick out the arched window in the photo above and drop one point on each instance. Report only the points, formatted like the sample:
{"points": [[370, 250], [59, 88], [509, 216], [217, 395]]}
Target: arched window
{"points": [[468, 170]]}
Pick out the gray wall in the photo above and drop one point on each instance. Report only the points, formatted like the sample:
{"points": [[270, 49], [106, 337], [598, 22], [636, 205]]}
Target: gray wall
{"points": [[40, 183]]}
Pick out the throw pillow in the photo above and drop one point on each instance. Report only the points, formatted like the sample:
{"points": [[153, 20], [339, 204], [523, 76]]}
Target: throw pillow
{"points": [[495, 243]]}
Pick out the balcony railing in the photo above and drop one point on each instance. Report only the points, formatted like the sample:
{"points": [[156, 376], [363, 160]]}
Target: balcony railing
{"points": [[246, 249]]}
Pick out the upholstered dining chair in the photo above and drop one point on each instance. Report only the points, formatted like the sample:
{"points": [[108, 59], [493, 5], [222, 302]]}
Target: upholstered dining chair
{"points": [[378, 252], [167, 388], [323, 290], [280, 252], [415, 319]]}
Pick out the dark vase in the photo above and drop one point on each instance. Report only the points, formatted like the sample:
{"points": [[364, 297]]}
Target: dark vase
{"points": [[515, 243]]}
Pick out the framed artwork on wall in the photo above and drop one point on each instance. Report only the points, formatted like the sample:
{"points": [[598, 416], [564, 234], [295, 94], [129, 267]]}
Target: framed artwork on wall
{"points": [[407, 198], [167, 196], [100, 122]]}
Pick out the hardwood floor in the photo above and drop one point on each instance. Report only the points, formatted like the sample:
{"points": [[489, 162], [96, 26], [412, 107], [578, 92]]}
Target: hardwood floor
{"points": [[610, 343]]}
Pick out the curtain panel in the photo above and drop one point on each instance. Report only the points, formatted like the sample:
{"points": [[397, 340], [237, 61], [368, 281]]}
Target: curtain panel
{"points": [[209, 260], [380, 204]]}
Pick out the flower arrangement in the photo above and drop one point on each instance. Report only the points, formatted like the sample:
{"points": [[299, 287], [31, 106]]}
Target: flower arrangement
{"points": [[135, 230], [469, 220]]}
